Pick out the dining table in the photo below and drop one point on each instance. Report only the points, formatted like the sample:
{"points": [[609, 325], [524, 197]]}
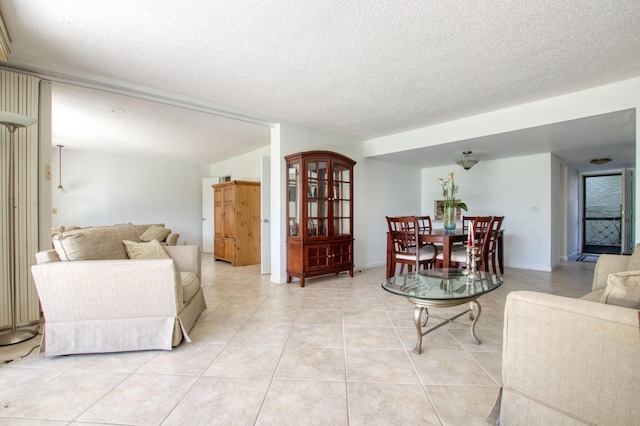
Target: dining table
{"points": [[444, 239]]}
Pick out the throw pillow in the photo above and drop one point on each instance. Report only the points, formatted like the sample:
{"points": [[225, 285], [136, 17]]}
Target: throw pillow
{"points": [[145, 250], [634, 260], [623, 289], [95, 243], [155, 233]]}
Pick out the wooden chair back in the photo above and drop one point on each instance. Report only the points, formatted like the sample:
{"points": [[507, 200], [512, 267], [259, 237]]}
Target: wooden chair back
{"points": [[403, 231], [466, 222], [481, 226], [492, 243], [424, 224], [404, 234]]}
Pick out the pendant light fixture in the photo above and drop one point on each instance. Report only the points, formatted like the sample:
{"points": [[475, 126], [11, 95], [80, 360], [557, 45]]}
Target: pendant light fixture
{"points": [[467, 161], [60, 187]]}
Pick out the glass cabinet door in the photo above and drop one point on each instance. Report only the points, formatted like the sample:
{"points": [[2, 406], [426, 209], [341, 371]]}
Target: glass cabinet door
{"points": [[317, 199], [341, 200], [293, 200]]}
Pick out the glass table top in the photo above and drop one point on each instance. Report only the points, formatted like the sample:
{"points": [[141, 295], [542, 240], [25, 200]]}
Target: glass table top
{"points": [[442, 284]]}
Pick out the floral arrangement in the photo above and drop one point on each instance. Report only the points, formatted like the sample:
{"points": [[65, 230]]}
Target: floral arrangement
{"points": [[449, 191]]}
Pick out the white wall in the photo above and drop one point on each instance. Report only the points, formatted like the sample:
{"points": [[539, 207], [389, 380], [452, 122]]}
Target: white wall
{"points": [[384, 189], [558, 215], [242, 167], [106, 189], [517, 188]]}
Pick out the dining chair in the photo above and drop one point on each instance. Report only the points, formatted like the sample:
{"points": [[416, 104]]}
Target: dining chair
{"points": [[404, 234], [424, 223], [492, 244], [466, 222], [481, 226]]}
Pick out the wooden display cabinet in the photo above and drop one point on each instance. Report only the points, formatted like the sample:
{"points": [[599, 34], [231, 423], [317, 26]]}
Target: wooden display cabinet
{"points": [[319, 214], [236, 212]]}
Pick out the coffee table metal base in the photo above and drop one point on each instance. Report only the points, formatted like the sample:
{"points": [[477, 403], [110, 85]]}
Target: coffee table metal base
{"points": [[423, 306]]}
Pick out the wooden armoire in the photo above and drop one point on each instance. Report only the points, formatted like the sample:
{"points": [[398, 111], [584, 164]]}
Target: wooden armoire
{"points": [[319, 214], [236, 222]]}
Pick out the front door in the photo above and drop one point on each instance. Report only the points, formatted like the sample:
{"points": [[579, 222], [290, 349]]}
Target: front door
{"points": [[602, 215]]}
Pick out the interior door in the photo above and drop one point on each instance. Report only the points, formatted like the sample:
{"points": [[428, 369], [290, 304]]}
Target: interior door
{"points": [[626, 231], [265, 215], [207, 214]]}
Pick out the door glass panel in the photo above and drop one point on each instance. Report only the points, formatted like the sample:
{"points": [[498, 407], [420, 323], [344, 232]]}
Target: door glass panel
{"points": [[341, 205], [342, 227], [318, 199], [346, 226], [293, 197], [322, 170], [322, 189], [317, 227], [341, 209], [341, 173], [346, 191], [323, 227], [312, 208]]}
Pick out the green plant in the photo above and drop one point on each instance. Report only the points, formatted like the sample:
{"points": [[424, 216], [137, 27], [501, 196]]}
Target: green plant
{"points": [[449, 191]]}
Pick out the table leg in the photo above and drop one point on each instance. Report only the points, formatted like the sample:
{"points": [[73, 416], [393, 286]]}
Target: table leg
{"points": [[417, 315], [391, 266], [474, 315], [418, 310], [446, 253], [499, 250]]}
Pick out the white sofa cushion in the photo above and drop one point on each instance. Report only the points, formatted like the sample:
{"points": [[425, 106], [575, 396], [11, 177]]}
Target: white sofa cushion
{"points": [[623, 289], [159, 233], [145, 250]]}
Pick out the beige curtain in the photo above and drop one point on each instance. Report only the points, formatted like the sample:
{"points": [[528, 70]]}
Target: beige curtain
{"points": [[19, 94]]}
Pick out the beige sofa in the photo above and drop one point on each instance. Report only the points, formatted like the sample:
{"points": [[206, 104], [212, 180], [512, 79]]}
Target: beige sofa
{"points": [[144, 232], [575, 361], [96, 299]]}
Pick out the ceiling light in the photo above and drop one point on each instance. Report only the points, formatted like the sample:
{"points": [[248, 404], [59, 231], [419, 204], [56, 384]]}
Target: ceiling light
{"points": [[118, 110], [600, 161], [467, 161]]}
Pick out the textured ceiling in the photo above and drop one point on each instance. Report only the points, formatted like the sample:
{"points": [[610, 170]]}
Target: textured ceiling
{"points": [[95, 120], [367, 68]]}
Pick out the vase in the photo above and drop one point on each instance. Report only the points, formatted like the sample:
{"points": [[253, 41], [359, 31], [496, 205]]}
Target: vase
{"points": [[449, 218]]}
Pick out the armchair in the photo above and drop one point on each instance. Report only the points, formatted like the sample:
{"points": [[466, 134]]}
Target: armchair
{"points": [[575, 361], [116, 305]]}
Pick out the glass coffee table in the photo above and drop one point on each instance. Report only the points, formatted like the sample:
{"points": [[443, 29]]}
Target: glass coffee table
{"points": [[442, 288]]}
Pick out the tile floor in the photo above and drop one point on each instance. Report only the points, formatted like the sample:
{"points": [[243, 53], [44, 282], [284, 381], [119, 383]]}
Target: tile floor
{"points": [[336, 352]]}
